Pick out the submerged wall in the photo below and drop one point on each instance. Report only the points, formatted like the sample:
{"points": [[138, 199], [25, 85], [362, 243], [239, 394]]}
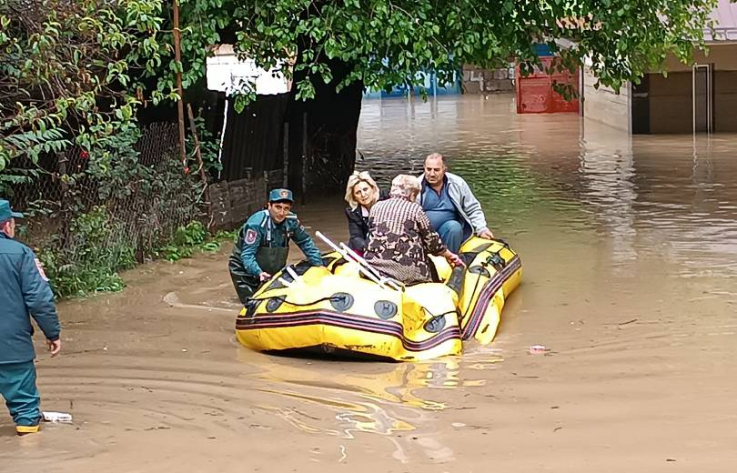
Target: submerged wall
{"points": [[604, 105], [478, 81]]}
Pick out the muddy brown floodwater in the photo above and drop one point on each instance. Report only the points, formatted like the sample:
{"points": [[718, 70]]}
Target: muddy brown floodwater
{"points": [[630, 253]]}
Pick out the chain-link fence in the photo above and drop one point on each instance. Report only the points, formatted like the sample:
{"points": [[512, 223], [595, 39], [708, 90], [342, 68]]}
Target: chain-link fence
{"points": [[90, 217]]}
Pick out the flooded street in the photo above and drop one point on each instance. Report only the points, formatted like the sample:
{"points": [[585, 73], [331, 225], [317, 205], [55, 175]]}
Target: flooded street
{"points": [[629, 248]]}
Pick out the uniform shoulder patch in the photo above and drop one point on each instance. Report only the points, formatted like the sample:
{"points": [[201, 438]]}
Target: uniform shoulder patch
{"points": [[40, 268], [251, 237]]}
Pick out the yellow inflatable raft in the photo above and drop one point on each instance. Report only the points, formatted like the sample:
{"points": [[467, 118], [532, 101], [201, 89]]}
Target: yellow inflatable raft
{"points": [[337, 309]]}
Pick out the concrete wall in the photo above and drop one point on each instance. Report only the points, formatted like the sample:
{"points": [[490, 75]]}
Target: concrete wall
{"points": [[233, 202], [478, 81], [605, 106], [723, 56]]}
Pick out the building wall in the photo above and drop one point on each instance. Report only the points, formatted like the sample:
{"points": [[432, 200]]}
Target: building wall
{"points": [[671, 102], [479, 81], [725, 101], [667, 101], [671, 97], [723, 56], [226, 73], [605, 106]]}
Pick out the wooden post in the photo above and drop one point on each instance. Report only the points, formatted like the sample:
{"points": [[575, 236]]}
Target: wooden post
{"points": [[304, 156], [180, 102], [203, 175], [285, 179]]}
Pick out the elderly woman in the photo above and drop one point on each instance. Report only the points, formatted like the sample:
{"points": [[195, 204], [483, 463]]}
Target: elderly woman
{"points": [[361, 194], [401, 236]]}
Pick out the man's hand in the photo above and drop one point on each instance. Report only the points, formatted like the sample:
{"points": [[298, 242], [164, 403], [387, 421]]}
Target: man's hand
{"points": [[54, 347], [453, 259], [486, 235], [264, 276]]}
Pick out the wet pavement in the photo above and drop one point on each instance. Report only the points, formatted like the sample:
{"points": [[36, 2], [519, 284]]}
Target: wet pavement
{"points": [[628, 247]]}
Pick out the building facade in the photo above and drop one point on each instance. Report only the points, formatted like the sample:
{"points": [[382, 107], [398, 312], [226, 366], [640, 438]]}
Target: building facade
{"points": [[691, 99]]}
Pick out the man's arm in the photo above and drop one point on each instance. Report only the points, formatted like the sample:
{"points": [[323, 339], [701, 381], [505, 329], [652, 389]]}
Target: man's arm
{"points": [[305, 243], [38, 296], [472, 208], [251, 235]]}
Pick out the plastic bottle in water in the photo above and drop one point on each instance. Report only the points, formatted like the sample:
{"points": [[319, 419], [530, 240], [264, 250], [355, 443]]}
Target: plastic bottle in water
{"points": [[57, 417]]}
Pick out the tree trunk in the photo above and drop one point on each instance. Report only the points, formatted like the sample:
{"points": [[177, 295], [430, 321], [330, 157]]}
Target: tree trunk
{"points": [[332, 122]]}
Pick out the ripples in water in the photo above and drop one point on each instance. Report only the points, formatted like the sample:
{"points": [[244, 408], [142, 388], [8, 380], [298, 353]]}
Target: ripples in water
{"points": [[669, 198]]}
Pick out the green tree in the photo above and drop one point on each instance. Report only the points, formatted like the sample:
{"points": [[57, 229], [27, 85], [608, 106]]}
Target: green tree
{"points": [[70, 71], [386, 42], [341, 46]]}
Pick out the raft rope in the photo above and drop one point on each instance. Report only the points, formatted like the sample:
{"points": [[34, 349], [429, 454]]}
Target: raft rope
{"points": [[439, 316], [295, 304]]}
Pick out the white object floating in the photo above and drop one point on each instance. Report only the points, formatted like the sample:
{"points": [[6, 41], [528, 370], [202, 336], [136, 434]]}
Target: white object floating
{"points": [[538, 349], [57, 417]]}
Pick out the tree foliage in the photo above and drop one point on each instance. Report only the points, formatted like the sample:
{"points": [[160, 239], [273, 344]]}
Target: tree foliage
{"points": [[386, 42], [70, 71]]}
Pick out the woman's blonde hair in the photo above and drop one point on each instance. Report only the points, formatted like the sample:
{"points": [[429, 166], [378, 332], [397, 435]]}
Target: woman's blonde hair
{"points": [[405, 186], [355, 179]]}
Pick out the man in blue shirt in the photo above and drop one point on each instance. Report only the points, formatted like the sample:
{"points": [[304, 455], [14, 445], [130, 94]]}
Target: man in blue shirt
{"points": [[262, 247], [450, 205], [24, 293]]}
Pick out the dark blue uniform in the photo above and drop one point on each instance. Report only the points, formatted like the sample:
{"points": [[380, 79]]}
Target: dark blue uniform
{"points": [[24, 293]]}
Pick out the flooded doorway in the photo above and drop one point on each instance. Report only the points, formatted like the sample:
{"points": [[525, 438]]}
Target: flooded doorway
{"points": [[703, 104]]}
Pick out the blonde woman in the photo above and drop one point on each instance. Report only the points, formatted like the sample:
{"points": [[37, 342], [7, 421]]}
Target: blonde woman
{"points": [[361, 194]]}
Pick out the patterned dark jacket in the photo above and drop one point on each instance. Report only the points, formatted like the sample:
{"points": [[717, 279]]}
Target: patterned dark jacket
{"points": [[400, 240]]}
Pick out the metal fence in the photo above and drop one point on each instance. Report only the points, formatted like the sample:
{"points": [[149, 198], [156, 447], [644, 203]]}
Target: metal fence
{"points": [[75, 219]]}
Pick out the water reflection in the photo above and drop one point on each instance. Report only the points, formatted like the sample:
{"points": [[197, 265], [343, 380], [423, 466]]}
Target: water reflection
{"points": [[606, 168], [665, 201], [405, 384], [334, 399]]}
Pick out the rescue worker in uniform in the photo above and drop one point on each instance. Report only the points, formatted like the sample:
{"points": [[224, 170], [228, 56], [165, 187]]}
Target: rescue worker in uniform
{"points": [[262, 247], [24, 293]]}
